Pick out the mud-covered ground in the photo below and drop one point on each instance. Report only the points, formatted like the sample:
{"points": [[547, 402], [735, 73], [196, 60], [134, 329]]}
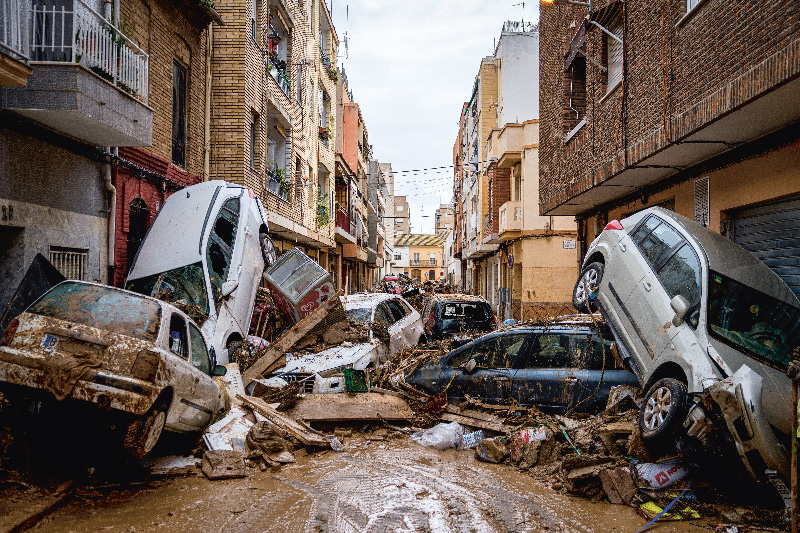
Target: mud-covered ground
{"points": [[393, 485]]}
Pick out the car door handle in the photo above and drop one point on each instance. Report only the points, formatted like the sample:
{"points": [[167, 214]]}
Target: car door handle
{"points": [[502, 378], [647, 286], [571, 379]]}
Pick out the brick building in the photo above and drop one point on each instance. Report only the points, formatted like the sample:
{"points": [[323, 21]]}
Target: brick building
{"points": [[692, 105]]}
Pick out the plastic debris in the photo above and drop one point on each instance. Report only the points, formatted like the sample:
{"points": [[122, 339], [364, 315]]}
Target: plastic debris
{"points": [[661, 475], [470, 440], [336, 444], [441, 436]]}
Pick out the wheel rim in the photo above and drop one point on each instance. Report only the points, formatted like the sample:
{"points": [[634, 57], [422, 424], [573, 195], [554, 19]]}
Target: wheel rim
{"points": [[587, 281], [154, 432], [657, 408]]}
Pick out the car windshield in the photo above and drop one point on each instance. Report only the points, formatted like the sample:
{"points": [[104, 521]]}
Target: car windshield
{"points": [[463, 310], [183, 287], [101, 307], [361, 315], [749, 320]]}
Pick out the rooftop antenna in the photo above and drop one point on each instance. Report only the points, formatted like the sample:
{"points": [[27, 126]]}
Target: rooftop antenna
{"points": [[523, 13], [346, 39]]}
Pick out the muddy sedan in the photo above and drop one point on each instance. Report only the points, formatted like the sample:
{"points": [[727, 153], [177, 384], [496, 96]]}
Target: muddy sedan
{"points": [[564, 366], [126, 357]]}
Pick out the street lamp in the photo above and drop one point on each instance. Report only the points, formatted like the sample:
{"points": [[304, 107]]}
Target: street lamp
{"points": [[565, 2]]}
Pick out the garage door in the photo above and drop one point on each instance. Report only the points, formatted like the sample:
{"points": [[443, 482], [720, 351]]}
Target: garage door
{"points": [[771, 232]]}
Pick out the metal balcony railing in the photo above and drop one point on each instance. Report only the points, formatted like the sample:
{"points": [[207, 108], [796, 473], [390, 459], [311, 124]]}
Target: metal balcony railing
{"points": [[323, 56], [343, 220], [423, 263], [15, 28], [81, 35], [277, 69]]}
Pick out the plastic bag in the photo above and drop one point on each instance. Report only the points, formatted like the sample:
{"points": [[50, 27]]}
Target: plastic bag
{"points": [[470, 440], [335, 443], [441, 436]]}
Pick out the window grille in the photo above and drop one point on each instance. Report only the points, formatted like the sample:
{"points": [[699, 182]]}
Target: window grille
{"points": [[71, 262], [702, 209]]}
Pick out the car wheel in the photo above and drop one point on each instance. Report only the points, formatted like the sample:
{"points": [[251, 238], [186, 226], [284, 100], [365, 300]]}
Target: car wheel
{"points": [[143, 433], [267, 250], [589, 280], [233, 350], [663, 409]]}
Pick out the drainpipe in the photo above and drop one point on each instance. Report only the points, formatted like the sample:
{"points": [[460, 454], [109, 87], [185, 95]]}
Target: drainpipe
{"points": [[207, 121], [116, 13], [112, 213], [107, 9]]}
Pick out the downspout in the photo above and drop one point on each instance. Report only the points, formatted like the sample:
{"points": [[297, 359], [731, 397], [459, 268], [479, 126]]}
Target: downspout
{"points": [[111, 171], [207, 120]]}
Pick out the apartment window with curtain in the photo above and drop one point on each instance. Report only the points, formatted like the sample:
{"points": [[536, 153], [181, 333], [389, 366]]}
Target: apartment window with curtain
{"points": [[178, 113]]}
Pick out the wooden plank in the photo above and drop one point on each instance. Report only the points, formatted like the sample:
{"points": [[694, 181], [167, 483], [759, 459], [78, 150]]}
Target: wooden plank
{"points": [[472, 413], [474, 422], [283, 343], [359, 406], [298, 430]]}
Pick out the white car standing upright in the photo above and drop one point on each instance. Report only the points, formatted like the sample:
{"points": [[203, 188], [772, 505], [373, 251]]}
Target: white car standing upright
{"points": [[206, 253]]}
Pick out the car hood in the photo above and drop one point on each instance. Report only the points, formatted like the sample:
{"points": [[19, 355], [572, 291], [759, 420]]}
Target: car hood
{"points": [[343, 355]]}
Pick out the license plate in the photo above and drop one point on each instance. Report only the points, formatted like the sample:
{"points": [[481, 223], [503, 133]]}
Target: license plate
{"points": [[49, 342]]}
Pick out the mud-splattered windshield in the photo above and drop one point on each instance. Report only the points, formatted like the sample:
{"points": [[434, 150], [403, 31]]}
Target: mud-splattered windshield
{"points": [[361, 315], [752, 321], [183, 287], [104, 308]]}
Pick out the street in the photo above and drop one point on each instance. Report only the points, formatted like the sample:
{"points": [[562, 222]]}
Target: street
{"points": [[373, 486]]}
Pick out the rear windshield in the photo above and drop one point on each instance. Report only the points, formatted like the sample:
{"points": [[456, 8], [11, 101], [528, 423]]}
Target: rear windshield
{"points": [[751, 321], [295, 274], [361, 315], [101, 307], [473, 311], [183, 287]]}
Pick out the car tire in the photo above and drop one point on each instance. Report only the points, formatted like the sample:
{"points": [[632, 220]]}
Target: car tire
{"points": [[590, 277], [143, 433], [663, 410], [267, 250], [233, 349]]}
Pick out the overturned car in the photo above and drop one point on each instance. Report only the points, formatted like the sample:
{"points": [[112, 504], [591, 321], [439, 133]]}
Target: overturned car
{"points": [[138, 362], [708, 329]]}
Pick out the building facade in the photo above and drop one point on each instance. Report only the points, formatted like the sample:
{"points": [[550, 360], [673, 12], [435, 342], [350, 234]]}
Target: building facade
{"points": [[424, 254], [691, 105], [402, 215]]}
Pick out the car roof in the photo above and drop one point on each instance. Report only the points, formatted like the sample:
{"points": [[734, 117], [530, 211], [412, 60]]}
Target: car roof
{"points": [[367, 299], [441, 297], [731, 260]]}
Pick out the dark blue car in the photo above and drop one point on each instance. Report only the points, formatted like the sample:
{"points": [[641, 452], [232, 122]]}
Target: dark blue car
{"points": [[554, 367]]}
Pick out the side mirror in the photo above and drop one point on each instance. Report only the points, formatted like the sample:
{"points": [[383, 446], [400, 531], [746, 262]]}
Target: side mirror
{"points": [[219, 370], [680, 305], [469, 366], [228, 287]]}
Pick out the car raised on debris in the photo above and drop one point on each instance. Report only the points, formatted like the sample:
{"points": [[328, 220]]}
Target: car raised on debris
{"points": [[206, 253], [696, 315], [450, 315], [139, 363], [558, 367], [321, 371]]}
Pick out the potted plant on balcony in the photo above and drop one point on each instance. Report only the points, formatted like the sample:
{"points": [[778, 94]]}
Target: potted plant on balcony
{"points": [[323, 217], [333, 73], [284, 183], [325, 132]]}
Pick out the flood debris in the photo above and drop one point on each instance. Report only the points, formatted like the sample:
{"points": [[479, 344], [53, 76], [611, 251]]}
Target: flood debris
{"points": [[223, 464], [340, 407]]}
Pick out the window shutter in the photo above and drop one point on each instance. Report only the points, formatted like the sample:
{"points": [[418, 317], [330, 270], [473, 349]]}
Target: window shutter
{"points": [[614, 57], [702, 210]]}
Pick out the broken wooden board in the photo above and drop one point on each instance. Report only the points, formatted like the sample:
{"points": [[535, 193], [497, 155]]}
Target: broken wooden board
{"points": [[223, 464], [618, 485], [482, 423], [295, 428], [360, 406], [283, 343]]}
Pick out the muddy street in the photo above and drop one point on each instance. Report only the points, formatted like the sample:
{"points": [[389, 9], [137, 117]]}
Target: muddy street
{"points": [[372, 486]]}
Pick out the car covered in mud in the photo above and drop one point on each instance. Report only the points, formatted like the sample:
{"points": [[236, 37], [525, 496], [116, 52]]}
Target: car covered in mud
{"points": [[457, 315], [398, 324], [697, 317], [568, 365], [137, 361], [206, 252]]}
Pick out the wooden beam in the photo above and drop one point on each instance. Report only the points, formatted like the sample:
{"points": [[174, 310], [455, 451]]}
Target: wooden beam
{"points": [[302, 432]]}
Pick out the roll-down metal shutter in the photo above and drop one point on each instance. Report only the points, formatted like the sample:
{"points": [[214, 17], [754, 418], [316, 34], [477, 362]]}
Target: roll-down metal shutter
{"points": [[771, 232]]}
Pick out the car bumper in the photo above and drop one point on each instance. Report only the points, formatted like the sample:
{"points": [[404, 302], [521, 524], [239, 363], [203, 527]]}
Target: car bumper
{"points": [[108, 391], [739, 400]]}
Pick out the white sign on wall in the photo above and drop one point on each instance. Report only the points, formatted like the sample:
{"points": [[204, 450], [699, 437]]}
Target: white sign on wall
{"points": [[570, 244]]}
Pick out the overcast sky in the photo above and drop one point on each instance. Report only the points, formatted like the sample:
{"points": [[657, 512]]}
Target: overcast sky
{"points": [[411, 65]]}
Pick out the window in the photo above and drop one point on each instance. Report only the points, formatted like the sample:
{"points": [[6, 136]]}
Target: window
{"points": [[221, 241], [200, 358], [433, 259], [680, 275], [416, 258], [178, 114], [654, 238], [383, 317], [574, 114], [253, 141], [397, 310], [71, 262], [702, 209], [253, 18], [496, 352], [614, 57], [431, 275], [399, 208], [177, 336], [691, 4], [138, 213], [550, 350], [397, 257]]}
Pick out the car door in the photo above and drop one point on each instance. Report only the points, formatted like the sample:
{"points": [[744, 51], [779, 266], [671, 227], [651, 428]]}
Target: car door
{"points": [[204, 400], [597, 370], [174, 375], [406, 329], [547, 376], [496, 357]]}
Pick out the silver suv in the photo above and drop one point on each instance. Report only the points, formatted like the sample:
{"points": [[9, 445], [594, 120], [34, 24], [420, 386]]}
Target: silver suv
{"points": [[696, 315]]}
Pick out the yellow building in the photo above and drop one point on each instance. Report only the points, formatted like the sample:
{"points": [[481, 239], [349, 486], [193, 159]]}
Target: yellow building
{"points": [[421, 255]]}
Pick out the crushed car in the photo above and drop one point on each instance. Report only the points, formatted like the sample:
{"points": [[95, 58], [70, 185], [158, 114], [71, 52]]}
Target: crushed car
{"points": [[141, 363], [696, 316], [206, 253], [398, 325], [566, 365], [457, 315]]}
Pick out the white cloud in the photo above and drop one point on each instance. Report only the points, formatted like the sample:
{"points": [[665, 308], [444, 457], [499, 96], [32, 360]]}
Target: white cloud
{"points": [[411, 66]]}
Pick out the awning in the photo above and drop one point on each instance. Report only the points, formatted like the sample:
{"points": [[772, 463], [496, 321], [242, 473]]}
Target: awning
{"points": [[578, 41]]}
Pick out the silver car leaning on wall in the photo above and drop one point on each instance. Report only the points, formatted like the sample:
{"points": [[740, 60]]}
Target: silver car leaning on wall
{"points": [[694, 314]]}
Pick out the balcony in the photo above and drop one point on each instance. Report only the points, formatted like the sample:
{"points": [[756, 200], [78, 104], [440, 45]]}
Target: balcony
{"points": [[14, 43], [345, 228], [323, 56], [510, 218], [277, 69], [277, 183], [354, 252], [325, 135], [423, 263], [89, 81]]}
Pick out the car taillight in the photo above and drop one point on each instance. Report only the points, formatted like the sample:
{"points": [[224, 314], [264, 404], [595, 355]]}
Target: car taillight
{"points": [[431, 322], [8, 334], [494, 320], [146, 365], [614, 224]]}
